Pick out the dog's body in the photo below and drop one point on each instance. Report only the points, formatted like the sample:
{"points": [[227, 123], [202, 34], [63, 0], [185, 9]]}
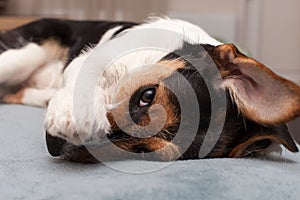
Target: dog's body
{"points": [[42, 63], [37, 54]]}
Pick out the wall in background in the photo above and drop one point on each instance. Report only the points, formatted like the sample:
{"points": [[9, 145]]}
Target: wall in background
{"points": [[268, 29], [281, 36], [2, 4], [135, 10], [220, 19]]}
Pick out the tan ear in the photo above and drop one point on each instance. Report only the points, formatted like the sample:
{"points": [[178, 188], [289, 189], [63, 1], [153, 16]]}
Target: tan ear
{"points": [[260, 94], [265, 143]]}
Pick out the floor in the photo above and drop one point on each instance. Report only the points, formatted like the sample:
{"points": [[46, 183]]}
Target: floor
{"points": [[27, 171]]}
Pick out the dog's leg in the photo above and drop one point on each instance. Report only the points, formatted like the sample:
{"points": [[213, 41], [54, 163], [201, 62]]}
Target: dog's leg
{"points": [[31, 96], [16, 65]]}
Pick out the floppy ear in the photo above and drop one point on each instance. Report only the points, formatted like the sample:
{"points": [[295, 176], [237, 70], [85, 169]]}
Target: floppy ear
{"points": [[264, 143], [260, 94]]}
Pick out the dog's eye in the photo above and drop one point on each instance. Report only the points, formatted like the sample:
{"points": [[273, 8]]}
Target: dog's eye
{"points": [[147, 97]]}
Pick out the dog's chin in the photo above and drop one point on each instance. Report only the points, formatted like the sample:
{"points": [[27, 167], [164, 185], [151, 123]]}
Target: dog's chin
{"points": [[78, 153]]}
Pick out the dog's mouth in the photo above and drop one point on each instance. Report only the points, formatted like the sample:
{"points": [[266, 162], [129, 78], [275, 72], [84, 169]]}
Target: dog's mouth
{"points": [[58, 147], [93, 152]]}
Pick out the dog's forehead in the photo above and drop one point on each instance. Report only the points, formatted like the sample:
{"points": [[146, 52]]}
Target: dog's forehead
{"points": [[150, 67]]}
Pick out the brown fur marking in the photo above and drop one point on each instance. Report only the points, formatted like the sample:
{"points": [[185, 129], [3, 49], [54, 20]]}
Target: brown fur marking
{"points": [[14, 98], [120, 117]]}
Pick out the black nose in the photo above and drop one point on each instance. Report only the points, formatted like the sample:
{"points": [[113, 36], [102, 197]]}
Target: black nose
{"points": [[55, 145]]}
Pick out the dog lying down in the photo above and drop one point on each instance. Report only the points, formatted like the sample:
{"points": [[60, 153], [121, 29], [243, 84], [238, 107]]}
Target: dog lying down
{"points": [[161, 90]]}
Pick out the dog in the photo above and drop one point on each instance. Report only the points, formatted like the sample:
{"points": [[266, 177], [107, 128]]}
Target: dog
{"points": [[134, 110]]}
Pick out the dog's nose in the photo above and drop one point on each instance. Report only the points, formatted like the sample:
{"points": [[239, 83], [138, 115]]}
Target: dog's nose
{"points": [[55, 144]]}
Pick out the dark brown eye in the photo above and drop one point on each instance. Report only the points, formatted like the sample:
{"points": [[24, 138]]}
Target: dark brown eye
{"points": [[147, 97]]}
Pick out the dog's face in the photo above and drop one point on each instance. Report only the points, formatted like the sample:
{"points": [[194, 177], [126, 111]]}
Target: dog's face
{"points": [[143, 113]]}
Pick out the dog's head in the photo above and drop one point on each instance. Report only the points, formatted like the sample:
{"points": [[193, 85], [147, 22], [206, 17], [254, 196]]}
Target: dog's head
{"points": [[143, 113]]}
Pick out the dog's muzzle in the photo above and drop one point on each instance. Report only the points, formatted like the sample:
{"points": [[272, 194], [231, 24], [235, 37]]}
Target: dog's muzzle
{"points": [[59, 147], [104, 150], [55, 145]]}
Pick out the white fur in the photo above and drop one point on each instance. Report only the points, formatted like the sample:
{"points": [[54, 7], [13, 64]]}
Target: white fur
{"points": [[43, 84], [16, 65], [37, 97], [47, 76], [192, 33], [108, 35], [60, 120], [60, 117]]}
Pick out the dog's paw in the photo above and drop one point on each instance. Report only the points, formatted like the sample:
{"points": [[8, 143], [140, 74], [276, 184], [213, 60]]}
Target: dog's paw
{"points": [[59, 120], [74, 124]]}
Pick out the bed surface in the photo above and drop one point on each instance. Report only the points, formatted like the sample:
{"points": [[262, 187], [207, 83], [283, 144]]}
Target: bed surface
{"points": [[28, 172]]}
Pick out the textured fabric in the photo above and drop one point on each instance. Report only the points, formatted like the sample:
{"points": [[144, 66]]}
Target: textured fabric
{"points": [[28, 172]]}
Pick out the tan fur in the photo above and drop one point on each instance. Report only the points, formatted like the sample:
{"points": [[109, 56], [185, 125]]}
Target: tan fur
{"points": [[14, 98], [55, 51], [164, 150], [119, 116], [173, 64]]}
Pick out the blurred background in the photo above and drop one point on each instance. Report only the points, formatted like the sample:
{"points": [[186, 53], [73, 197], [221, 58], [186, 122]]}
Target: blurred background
{"points": [[269, 30]]}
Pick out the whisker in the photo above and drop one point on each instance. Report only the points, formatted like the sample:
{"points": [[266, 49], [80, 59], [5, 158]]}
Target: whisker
{"points": [[116, 105], [21, 41], [4, 45]]}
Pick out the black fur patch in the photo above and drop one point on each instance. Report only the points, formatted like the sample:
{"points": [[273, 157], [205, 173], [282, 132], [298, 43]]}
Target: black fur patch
{"points": [[75, 35]]}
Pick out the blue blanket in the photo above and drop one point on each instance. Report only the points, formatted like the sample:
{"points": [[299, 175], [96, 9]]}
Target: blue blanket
{"points": [[28, 172]]}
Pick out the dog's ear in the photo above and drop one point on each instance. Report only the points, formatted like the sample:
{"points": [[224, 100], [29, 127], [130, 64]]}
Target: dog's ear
{"points": [[260, 94], [265, 142]]}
